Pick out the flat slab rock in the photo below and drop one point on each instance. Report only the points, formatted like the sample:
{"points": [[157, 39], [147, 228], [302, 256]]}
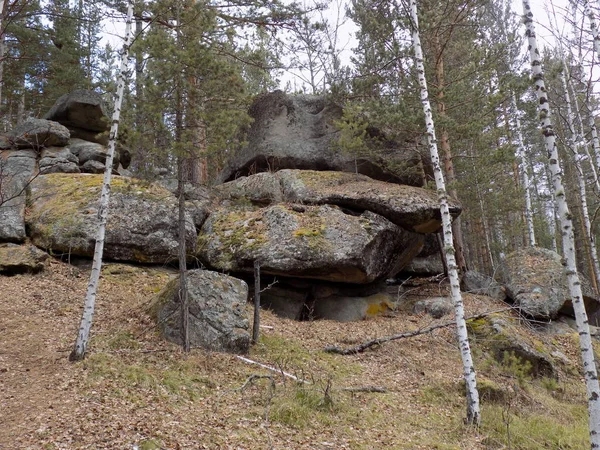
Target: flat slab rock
{"points": [[413, 208], [320, 242], [82, 109], [39, 133], [536, 281], [142, 221], [299, 132], [217, 320]]}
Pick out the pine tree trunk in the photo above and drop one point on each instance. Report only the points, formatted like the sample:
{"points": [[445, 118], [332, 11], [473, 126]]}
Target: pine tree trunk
{"points": [[473, 412], [521, 152], [256, 322], [448, 164], [585, 341], [183, 290], [85, 327]]}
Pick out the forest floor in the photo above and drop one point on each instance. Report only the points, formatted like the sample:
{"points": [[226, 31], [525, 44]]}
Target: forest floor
{"points": [[135, 391]]}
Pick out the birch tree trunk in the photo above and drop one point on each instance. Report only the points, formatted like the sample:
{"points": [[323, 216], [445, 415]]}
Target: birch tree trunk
{"points": [[81, 344], [473, 411], [2, 55], [593, 26], [575, 140], [521, 152], [585, 341]]}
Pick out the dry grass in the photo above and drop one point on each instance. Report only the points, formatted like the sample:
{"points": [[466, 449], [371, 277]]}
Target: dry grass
{"points": [[135, 389]]}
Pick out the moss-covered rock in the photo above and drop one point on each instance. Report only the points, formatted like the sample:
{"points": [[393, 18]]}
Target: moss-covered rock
{"points": [[142, 220], [17, 259], [320, 242], [413, 208]]}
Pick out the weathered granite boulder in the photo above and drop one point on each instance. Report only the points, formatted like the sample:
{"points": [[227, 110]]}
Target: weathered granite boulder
{"points": [[217, 320], [17, 259], [413, 208], [39, 133], [299, 132], [142, 220], [480, 284], [320, 242], [91, 156], [536, 282], [81, 109], [16, 169], [436, 307], [509, 345], [58, 160]]}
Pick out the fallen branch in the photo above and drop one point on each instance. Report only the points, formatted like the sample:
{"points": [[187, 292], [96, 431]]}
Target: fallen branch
{"points": [[272, 369], [376, 389], [362, 347]]}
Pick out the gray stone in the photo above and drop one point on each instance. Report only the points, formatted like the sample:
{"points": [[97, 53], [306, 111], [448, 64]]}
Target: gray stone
{"points": [[413, 208], [299, 132], [217, 320], [82, 109], [142, 219], [536, 281], [436, 307], [479, 284], [320, 242], [58, 160], [352, 309], [18, 259], [91, 151], [16, 169], [92, 166], [39, 133], [90, 136], [425, 266]]}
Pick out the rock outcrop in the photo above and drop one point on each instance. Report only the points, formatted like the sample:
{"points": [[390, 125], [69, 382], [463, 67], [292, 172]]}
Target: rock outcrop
{"points": [[412, 208], [299, 132], [536, 281], [217, 320], [39, 133], [82, 109], [16, 169], [142, 223], [319, 242]]}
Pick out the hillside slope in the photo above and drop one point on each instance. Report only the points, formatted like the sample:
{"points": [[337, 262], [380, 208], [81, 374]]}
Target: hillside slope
{"points": [[136, 391]]}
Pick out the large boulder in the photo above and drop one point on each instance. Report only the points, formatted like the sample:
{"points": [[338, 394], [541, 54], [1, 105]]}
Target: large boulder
{"points": [[39, 133], [299, 132], [413, 208], [58, 160], [142, 219], [320, 242], [17, 259], [92, 156], [16, 169], [81, 109], [536, 281], [217, 319], [480, 284]]}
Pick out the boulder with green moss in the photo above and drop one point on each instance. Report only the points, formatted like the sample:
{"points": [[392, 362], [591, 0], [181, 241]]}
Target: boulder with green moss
{"points": [[142, 219], [16, 259], [217, 319], [413, 208], [319, 242], [509, 344], [536, 281]]}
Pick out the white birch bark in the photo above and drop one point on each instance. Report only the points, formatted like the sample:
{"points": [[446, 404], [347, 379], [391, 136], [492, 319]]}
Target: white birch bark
{"points": [[593, 26], [85, 327], [2, 52], [521, 152], [575, 140], [585, 341], [473, 411]]}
